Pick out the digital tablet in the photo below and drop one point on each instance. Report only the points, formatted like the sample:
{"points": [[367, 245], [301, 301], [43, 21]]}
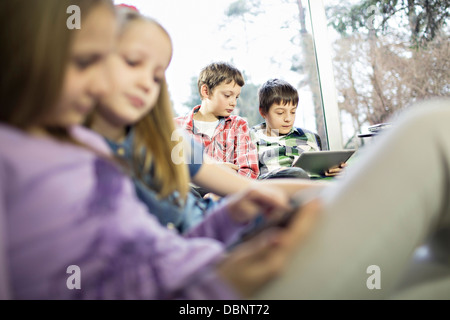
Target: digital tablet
{"points": [[318, 162], [299, 199]]}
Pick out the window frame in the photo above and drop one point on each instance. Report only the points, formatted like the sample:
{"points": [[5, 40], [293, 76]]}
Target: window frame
{"points": [[327, 86]]}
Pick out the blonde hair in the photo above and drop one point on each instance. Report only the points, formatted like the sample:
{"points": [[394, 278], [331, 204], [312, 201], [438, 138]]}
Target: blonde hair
{"points": [[35, 57], [153, 134]]}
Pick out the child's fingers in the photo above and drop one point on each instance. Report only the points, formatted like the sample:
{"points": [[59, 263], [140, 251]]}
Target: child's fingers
{"points": [[302, 223], [272, 204]]}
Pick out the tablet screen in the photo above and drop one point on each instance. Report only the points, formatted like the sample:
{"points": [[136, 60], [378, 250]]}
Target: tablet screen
{"points": [[318, 162]]}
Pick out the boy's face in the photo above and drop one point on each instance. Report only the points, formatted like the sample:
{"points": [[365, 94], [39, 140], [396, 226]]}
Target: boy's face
{"points": [[280, 118], [222, 101]]}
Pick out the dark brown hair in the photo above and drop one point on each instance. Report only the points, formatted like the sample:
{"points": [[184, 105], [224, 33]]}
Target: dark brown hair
{"points": [[276, 91]]}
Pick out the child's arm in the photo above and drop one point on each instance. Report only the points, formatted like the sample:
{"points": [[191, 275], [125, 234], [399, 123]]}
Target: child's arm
{"points": [[220, 179], [224, 181], [245, 151]]}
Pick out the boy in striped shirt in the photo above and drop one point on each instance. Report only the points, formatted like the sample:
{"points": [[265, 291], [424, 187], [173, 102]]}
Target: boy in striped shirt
{"points": [[279, 143]]}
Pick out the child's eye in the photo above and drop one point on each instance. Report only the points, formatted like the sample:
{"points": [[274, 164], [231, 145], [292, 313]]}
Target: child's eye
{"points": [[158, 80], [84, 62], [227, 96], [132, 63]]}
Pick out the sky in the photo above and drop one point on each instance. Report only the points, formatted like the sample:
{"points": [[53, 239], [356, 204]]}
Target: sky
{"points": [[201, 34]]}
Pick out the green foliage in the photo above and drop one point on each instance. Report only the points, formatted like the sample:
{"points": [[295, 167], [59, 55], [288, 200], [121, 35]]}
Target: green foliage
{"points": [[240, 8], [248, 104], [421, 19], [194, 98], [237, 8]]}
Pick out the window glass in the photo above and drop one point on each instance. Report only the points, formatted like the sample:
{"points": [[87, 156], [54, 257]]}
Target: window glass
{"points": [[263, 38], [386, 55]]}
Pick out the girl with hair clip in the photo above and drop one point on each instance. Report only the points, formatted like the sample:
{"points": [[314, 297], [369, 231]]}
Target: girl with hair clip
{"points": [[67, 205], [137, 122]]}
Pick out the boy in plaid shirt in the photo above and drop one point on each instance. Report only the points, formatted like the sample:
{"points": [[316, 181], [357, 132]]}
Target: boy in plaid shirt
{"points": [[279, 143], [225, 137]]}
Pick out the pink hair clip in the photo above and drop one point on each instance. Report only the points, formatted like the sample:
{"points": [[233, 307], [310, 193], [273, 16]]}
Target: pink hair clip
{"points": [[123, 5]]}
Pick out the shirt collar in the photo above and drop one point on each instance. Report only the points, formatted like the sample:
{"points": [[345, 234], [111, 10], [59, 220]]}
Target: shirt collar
{"points": [[197, 108]]}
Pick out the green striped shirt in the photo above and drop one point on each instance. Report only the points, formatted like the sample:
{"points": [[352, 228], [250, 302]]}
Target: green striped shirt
{"points": [[282, 151]]}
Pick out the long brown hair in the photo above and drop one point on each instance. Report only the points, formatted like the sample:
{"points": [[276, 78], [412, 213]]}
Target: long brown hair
{"points": [[34, 57]]}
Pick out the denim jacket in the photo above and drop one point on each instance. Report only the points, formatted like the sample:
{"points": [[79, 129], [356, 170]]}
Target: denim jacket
{"points": [[181, 217]]}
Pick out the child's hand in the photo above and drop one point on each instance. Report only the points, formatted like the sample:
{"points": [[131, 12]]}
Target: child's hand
{"points": [[209, 160], [212, 196], [231, 166], [246, 205], [253, 263], [335, 170]]}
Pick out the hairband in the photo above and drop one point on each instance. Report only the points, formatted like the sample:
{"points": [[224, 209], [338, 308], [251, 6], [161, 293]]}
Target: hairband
{"points": [[123, 5]]}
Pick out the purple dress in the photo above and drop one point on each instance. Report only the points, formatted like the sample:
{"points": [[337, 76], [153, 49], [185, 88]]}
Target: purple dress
{"points": [[66, 205]]}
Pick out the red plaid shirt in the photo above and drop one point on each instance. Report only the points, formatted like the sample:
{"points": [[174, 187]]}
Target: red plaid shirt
{"points": [[230, 142]]}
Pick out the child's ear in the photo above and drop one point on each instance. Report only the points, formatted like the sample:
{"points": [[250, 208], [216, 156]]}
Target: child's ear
{"points": [[204, 90], [262, 113]]}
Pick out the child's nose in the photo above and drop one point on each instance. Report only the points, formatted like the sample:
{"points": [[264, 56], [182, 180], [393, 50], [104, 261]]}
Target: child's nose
{"points": [[146, 81], [101, 84]]}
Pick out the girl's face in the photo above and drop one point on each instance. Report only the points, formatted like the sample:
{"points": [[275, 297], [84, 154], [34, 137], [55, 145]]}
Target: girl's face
{"points": [[86, 78], [143, 55]]}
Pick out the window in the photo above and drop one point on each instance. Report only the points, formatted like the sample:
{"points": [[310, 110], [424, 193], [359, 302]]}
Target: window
{"points": [[355, 63], [386, 55]]}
